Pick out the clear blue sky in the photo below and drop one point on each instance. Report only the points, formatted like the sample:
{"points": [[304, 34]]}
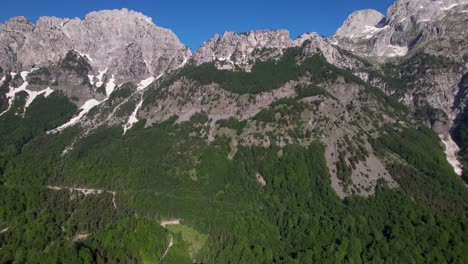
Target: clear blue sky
{"points": [[195, 21]]}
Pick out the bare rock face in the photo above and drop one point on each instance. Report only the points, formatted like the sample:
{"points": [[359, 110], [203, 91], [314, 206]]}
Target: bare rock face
{"points": [[136, 65], [240, 51], [233, 50], [359, 20], [69, 75], [313, 43], [126, 43], [426, 43], [410, 24], [13, 36]]}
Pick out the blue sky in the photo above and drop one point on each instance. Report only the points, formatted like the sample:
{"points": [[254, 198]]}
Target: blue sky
{"points": [[197, 21]]}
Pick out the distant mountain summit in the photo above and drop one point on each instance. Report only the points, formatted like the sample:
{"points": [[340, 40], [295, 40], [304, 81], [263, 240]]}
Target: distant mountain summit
{"points": [[121, 42], [409, 25]]}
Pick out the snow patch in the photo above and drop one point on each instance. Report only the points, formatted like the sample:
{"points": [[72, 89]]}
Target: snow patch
{"points": [[133, 119], [66, 150], [85, 55], [370, 31], [91, 79], [34, 94], [88, 105], [110, 86], [11, 95], [24, 75], [146, 82], [396, 51], [184, 61], [31, 94], [101, 74], [227, 58], [451, 151]]}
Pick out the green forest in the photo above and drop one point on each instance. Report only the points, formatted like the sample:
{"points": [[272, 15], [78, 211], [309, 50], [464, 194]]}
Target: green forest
{"points": [[295, 218], [162, 173]]}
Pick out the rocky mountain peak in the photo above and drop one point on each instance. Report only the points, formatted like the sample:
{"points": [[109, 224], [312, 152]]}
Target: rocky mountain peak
{"points": [[117, 14], [107, 38], [408, 23], [359, 20], [240, 50], [16, 25]]}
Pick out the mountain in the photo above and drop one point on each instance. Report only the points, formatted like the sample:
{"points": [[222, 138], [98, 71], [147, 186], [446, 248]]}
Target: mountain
{"points": [[118, 145], [106, 39], [408, 27], [421, 49], [433, 28]]}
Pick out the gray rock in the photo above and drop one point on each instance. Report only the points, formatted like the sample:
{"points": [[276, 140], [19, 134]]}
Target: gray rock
{"points": [[117, 40], [358, 21], [410, 24], [426, 43], [241, 50], [69, 75], [13, 34]]}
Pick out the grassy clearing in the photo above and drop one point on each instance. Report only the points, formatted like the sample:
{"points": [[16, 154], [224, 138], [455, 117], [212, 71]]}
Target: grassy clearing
{"points": [[191, 236]]}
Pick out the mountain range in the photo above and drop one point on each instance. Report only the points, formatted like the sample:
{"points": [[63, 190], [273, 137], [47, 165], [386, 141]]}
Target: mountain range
{"points": [[256, 148]]}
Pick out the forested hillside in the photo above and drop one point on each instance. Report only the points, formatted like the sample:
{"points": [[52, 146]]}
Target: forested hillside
{"points": [[162, 172]]}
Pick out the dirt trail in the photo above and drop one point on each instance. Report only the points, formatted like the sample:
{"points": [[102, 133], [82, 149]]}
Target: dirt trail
{"points": [[171, 242], [167, 248], [85, 191], [170, 222]]}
